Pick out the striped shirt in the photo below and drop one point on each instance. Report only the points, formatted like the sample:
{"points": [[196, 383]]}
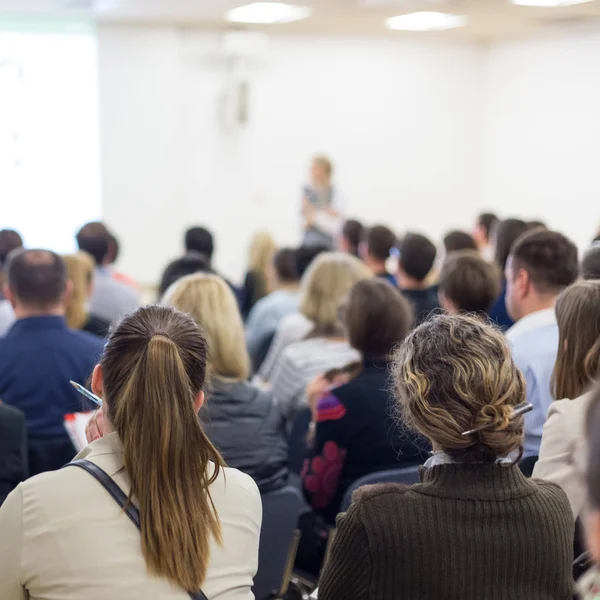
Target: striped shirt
{"points": [[300, 363]]}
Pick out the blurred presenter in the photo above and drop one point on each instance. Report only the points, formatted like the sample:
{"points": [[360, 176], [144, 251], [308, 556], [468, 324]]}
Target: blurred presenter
{"points": [[322, 209]]}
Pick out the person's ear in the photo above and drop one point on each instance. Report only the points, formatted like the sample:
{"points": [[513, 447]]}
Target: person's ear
{"points": [[98, 381], [523, 283], [8, 294], [199, 402]]}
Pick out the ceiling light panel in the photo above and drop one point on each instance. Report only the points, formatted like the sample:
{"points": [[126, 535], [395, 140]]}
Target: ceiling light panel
{"points": [[268, 13], [426, 21]]}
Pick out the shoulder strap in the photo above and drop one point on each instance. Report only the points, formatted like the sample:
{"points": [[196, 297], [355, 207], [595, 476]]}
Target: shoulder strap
{"points": [[120, 498]]}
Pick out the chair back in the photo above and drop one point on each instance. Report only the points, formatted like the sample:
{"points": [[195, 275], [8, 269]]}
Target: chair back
{"points": [[407, 475], [297, 440], [281, 510]]}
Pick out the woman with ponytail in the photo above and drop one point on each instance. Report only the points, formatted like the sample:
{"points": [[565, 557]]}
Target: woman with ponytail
{"points": [[63, 536]]}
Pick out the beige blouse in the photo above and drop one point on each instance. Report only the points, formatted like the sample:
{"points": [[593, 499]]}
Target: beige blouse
{"points": [[62, 537]]}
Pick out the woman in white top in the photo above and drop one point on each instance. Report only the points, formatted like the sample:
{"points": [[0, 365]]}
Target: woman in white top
{"points": [[325, 346], [62, 536], [563, 451]]}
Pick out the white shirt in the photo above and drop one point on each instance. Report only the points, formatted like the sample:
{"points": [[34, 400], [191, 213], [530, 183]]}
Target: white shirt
{"points": [[7, 317]]}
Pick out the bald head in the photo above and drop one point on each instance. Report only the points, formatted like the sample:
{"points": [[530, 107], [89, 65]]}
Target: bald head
{"points": [[37, 280]]}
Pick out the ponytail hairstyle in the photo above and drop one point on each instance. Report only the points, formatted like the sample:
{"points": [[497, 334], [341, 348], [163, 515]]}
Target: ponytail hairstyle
{"points": [[154, 366]]}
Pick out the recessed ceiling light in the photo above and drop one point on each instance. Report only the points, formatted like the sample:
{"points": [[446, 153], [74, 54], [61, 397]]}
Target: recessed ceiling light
{"points": [[426, 21], [549, 3], [268, 12]]}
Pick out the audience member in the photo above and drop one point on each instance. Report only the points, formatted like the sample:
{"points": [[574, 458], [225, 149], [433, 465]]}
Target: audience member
{"points": [[305, 256], [241, 420], [590, 264], [39, 356], [482, 234], [375, 250], [458, 240], [354, 432], [324, 346], [350, 237], [563, 451], [505, 235], [114, 249], [80, 272], [541, 264], [475, 527], [267, 314], [531, 225], [417, 256], [200, 521], [9, 240], [14, 466], [468, 283], [110, 299], [258, 282]]}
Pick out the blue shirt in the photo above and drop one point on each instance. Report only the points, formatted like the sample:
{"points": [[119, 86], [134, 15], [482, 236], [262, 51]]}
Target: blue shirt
{"points": [[38, 357], [498, 312], [534, 342]]}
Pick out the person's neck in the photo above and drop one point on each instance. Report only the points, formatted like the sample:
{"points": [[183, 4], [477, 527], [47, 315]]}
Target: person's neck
{"points": [[377, 267], [539, 304], [25, 312], [405, 282], [289, 286]]}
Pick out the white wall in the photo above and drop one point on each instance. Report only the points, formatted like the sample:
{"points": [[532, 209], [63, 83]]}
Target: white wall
{"points": [[542, 145], [403, 120]]}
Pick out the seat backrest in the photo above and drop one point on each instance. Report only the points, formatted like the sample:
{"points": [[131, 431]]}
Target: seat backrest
{"points": [[407, 475], [281, 510], [297, 440]]}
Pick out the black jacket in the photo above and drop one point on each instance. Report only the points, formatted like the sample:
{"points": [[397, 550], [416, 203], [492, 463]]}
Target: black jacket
{"points": [[246, 426], [13, 450]]}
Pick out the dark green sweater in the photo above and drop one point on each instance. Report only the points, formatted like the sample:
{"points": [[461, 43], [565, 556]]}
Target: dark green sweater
{"points": [[478, 532]]}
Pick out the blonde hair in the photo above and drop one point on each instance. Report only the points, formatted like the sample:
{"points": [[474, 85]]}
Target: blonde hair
{"points": [[455, 373], [80, 271], [325, 285], [208, 299], [325, 163], [154, 366], [262, 252]]}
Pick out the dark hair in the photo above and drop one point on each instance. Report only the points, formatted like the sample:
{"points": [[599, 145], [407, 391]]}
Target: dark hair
{"points": [[470, 282], [305, 255], [9, 240], [458, 240], [455, 373], [417, 255], [531, 225], [37, 278], [380, 240], [353, 231], [199, 239], [488, 222], [507, 233], [592, 422], [549, 258], [590, 264], [187, 265], [154, 367], [93, 238], [377, 317], [285, 265], [113, 248]]}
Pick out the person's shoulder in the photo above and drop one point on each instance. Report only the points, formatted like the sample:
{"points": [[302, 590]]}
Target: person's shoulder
{"points": [[86, 339], [553, 498], [233, 489], [370, 497]]}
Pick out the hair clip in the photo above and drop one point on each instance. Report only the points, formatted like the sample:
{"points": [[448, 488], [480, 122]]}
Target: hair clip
{"points": [[519, 410]]}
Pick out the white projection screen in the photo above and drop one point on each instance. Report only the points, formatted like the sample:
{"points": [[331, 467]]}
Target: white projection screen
{"points": [[49, 133]]}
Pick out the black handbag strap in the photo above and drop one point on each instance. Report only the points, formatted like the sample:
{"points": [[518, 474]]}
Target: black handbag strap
{"points": [[120, 498]]}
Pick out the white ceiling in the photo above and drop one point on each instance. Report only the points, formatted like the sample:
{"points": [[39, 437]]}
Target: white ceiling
{"points": [[489, 20]]}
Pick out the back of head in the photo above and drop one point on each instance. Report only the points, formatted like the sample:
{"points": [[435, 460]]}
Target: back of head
{"points": [[153, 370], [285, 266], [531, 225], [199, 239], [590, 264], [210, 301], [9, 240], [352, 232], [325, 285], [379, 241], [458, 240], [507, 233], [469, 282], [37, 279], [114, 249], [305, 255], [578, 359], [548, 257], [487, 222], [80, 272], [262, 250], [186, 265], [455, 373], [377, 317], [417, 256], [94, 239]]}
